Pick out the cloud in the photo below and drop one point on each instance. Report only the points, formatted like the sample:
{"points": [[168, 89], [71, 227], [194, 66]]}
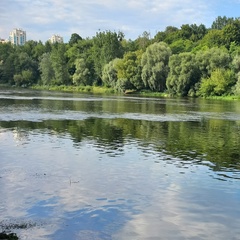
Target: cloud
{"points": [[170, 217], [43, 18]]}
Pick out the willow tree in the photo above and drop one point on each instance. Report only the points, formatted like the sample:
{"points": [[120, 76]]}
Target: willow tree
{"points": [[155, 66], [211, 59], [184, 74], [109, 73]]}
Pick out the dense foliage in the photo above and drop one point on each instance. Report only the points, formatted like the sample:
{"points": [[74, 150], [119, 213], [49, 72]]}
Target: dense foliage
{"points": [[187, 61]]}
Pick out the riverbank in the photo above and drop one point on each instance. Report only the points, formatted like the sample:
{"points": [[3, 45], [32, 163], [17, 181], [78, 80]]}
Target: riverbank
{"points": [[97, 89], [106, 90], [85, 89]]}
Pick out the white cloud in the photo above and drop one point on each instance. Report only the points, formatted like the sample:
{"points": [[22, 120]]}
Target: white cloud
{"points": [[43, 18]]}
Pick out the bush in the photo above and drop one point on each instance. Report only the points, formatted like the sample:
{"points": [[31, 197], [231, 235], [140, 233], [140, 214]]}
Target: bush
{"points": [[220, 82]]}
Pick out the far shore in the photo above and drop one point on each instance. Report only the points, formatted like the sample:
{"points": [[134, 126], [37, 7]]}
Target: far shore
{"points": [[106, 90]]}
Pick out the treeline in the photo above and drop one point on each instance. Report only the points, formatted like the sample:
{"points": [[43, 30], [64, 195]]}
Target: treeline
{"points": [[188, 61]]}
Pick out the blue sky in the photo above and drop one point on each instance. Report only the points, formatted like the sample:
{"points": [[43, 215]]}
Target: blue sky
{"points": [[43, 18]]}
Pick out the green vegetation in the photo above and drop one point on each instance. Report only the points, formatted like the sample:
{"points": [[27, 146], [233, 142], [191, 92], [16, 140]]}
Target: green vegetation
{"points": [[188, 61], [72, 88]]}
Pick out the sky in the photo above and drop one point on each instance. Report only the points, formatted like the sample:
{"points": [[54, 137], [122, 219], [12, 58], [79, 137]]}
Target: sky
{"points": [[43, 18]]}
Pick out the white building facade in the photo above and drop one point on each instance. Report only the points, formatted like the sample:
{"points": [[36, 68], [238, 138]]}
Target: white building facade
{"points": [[56, 39], [18, 37]]}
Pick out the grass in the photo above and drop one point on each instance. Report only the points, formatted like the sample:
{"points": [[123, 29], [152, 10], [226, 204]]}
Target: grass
{"points": [[86, 89], [153, 94], [105, 90], [230, 97]]}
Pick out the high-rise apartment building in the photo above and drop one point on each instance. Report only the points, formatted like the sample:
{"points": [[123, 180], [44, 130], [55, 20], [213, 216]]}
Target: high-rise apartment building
{"points": [[17, 37], [56, 38]]}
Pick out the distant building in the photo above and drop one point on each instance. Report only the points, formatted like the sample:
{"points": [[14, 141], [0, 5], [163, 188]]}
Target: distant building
{"points": [[56, 39], [3, 40], [17, 37]]}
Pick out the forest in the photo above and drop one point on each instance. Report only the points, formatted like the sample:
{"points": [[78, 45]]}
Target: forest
{"points": [[188, 61]]}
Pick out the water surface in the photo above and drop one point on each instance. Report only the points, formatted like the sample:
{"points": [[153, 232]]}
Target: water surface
{"points": [[83, 166]]}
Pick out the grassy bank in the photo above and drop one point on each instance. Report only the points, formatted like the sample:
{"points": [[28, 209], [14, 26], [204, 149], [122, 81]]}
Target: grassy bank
{"points": [[105, 90], [84, 89], [97, 89], [228, 98], [153, 94]]}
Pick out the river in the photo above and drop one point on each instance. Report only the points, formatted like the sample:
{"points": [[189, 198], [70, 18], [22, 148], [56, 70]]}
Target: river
{"points": [[85, 166]]}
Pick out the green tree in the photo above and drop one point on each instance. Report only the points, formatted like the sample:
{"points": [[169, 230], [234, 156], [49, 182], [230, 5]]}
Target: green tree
{"points": [[213, 38], [74, 39], [106, 47], [5, 50], [220, 22], [129, 45], [236, 63], [237, 85], [130, 68], [220, 82], [181, 45], [211, 59], [46, 69], [186, 31], [143, 41], [169, 35], [236, 69], [33, 49], [231, 33], [8, 69], [192, 32], [24, 62], [25, 78], [28, 47], [123, 84], [1, 70], [38, 50], [234, 49], [184, 74], [155, 66], [82, 75], [201, 31], [109, 73], [59, 64], [81, 49], [48, 46], [7, 56]]}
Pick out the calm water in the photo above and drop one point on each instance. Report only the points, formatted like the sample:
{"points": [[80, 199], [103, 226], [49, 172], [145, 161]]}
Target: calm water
{"points": [[77, 166]]}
